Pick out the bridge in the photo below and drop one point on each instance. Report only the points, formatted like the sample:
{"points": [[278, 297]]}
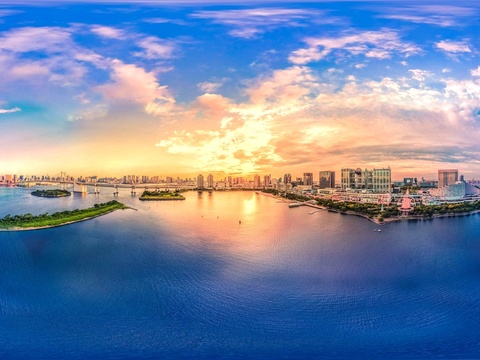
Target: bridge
{"points": [[66, 181]]}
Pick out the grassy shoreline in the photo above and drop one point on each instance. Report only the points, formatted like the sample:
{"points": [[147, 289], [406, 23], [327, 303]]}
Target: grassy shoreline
{"points": [[45, 221]]}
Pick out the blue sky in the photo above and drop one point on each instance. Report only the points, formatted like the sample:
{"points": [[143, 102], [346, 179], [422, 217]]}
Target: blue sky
{"points": [[159, 87]]}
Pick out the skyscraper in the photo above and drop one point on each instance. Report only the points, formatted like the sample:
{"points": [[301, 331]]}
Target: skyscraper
{"points": [[447, 177], [287, 178], [210, 182], [200, 184], [308, 179], [256, 181], [267, 180], [326, 179]]}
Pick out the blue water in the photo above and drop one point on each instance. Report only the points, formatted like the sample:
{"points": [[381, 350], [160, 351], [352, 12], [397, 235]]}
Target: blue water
{"points": [[186, 280]]}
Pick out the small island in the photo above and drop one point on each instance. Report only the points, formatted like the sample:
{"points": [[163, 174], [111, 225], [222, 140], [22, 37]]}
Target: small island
{"points": [[55, 193], [161, 195], [43, 221]]}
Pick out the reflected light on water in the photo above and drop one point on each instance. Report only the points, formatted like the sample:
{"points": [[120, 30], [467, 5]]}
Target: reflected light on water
{"points": [[249, 206]]}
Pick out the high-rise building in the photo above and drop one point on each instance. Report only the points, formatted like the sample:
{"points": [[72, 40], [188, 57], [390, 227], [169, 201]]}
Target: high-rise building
{"points": [[256, 181], [326, 179], [376, 180], [200, 184], [308, 179], [267, 180], [287, 178], [210, 182], [447, 177]]}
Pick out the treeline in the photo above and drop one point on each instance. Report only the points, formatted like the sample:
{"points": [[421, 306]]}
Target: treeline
{"points": [[160, 193], [430, 210], [51, 193], [58, 218]]}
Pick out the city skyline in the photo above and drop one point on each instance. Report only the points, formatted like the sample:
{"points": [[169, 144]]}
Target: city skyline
{"points": [[242, 89]]}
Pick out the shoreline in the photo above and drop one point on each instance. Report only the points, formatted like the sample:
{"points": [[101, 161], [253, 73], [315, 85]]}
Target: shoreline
{"points": [[374, 220], [66, 223], [402, 218]]}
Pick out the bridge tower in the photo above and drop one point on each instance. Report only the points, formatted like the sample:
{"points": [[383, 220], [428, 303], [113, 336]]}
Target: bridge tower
{"points": [[115, 190], [97, 190], [133, 190]]}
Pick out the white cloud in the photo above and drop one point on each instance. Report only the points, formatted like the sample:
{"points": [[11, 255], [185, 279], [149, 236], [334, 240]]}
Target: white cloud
{"points": [[155, 48], [285, 86], [247, 23], [443, 21], [420, 75], [439, 15], [95, 112], [158, 20], [375, 44], [454, 47], [7, 111], [9, 12], [28, 39], [132, 84], [209, 87], [108, 32], [475, 72]]}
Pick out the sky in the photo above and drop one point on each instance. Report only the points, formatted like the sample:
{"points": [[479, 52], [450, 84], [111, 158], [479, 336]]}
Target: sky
{"points": [[178, 88]]}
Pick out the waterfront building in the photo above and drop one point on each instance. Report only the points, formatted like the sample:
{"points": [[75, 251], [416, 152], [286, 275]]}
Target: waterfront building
{"points": [[256, 181], [361, 197], [221, 185], [210, 181], [381, 180], [284, 187], [267, 180], [447, 177], [376, 180], [326, 179], [308, 179], [454, 192], [200, 183]]}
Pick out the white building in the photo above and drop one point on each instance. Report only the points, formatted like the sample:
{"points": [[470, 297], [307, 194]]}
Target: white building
{"points": [[376, 180]]}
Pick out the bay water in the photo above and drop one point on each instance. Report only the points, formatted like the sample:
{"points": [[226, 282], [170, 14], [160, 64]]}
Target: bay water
{"points": [[235, 275]]}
